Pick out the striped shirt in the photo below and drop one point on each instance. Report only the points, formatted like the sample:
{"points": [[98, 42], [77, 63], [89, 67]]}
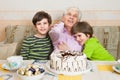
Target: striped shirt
{"points": [[36, 48]]}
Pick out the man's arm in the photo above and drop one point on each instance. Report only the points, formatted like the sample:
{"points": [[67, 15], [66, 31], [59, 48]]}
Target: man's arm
{"points": [[55, 31]]}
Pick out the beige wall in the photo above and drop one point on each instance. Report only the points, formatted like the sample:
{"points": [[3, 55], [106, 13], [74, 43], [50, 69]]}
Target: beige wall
{"points": [[96, 12]]}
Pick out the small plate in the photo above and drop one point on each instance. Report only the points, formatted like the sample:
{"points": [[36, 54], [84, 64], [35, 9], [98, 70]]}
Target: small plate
{"points": [[7, 67], [116, 68], [69, 73]]}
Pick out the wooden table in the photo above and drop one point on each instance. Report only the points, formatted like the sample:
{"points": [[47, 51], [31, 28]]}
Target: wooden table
{"points": [[102, 70]]}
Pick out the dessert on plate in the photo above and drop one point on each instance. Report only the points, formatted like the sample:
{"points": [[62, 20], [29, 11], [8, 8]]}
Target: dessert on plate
{"points": [[68, 61]]}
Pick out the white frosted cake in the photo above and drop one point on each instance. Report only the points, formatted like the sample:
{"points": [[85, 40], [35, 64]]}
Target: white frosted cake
{"points": [[69, 61]]}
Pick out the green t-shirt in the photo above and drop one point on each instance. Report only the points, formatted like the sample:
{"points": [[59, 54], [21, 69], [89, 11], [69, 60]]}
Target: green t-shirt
{"points": [[95, 51]]}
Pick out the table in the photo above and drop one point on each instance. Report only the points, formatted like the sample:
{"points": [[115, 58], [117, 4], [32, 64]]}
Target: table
{"points": [[102, 70]]}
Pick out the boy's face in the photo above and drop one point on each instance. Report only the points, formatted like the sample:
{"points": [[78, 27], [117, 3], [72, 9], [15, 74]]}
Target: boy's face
{"points": [[42, 26], [81, 38]]}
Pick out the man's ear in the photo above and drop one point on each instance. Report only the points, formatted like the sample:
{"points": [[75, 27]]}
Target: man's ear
{"points": [[62, 19]]}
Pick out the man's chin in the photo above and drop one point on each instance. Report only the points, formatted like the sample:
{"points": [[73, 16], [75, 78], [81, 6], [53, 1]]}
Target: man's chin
{"points": [[69, 24]]}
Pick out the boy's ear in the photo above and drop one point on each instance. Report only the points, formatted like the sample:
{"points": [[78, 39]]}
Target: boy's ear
{"points": [[35, 26], [88, 35]]}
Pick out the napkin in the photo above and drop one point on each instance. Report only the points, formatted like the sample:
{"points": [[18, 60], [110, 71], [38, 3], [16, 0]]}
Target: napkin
{"points": [[104, 67], [66, 77], [1, 69]]}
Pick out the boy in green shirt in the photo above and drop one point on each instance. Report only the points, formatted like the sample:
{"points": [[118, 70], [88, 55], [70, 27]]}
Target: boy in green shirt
{"points": [[83, 33]]}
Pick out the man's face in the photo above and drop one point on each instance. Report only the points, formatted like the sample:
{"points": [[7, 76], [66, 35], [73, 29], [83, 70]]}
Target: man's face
{"points": [[70, 18]]}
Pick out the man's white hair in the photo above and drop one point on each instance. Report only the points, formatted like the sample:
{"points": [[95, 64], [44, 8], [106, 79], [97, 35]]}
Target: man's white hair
{"points": [[74, 9]]}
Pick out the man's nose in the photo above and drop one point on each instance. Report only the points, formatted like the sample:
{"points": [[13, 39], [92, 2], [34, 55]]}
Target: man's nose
{"points": [[71, 16]]}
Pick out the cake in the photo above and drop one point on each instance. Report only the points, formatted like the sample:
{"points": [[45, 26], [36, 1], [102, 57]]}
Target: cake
{"points": [[68, 61]]}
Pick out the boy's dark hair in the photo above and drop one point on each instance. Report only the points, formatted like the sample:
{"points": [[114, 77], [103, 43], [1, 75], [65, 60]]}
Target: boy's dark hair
{"points": [[40, 15], [83, 27]]}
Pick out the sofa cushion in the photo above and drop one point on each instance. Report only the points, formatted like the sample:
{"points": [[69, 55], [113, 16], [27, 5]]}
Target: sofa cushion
{"points": [[17, 33], [109, 37], [7, 50]]}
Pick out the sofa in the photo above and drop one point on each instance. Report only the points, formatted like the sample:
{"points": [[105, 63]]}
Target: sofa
{"points": [[109, 36]]}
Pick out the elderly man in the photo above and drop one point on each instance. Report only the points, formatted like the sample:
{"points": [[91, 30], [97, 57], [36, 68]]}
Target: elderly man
{"points": [[60, 33]]}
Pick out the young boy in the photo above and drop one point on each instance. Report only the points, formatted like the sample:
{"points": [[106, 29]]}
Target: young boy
{"points": [[39, 46], [83, 33]]}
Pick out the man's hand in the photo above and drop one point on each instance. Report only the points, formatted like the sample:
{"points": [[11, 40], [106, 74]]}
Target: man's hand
{"points": [[63, 46]]}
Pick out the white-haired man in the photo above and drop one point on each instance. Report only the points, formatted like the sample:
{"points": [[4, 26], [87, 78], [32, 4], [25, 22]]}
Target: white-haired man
{"points": [[60, 33]]}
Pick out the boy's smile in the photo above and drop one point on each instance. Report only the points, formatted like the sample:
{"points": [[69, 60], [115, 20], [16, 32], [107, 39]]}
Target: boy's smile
{"points": [[42, 26]]}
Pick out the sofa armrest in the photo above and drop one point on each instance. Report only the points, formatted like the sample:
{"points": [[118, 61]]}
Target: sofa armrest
{"points": [[2, 42], [109, 38], [7, 50], [16, 33]]}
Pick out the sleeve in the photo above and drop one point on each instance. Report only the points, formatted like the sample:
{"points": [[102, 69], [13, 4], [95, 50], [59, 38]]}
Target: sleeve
{"points": [[89, 49], [55, 31], [25, 49]]}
